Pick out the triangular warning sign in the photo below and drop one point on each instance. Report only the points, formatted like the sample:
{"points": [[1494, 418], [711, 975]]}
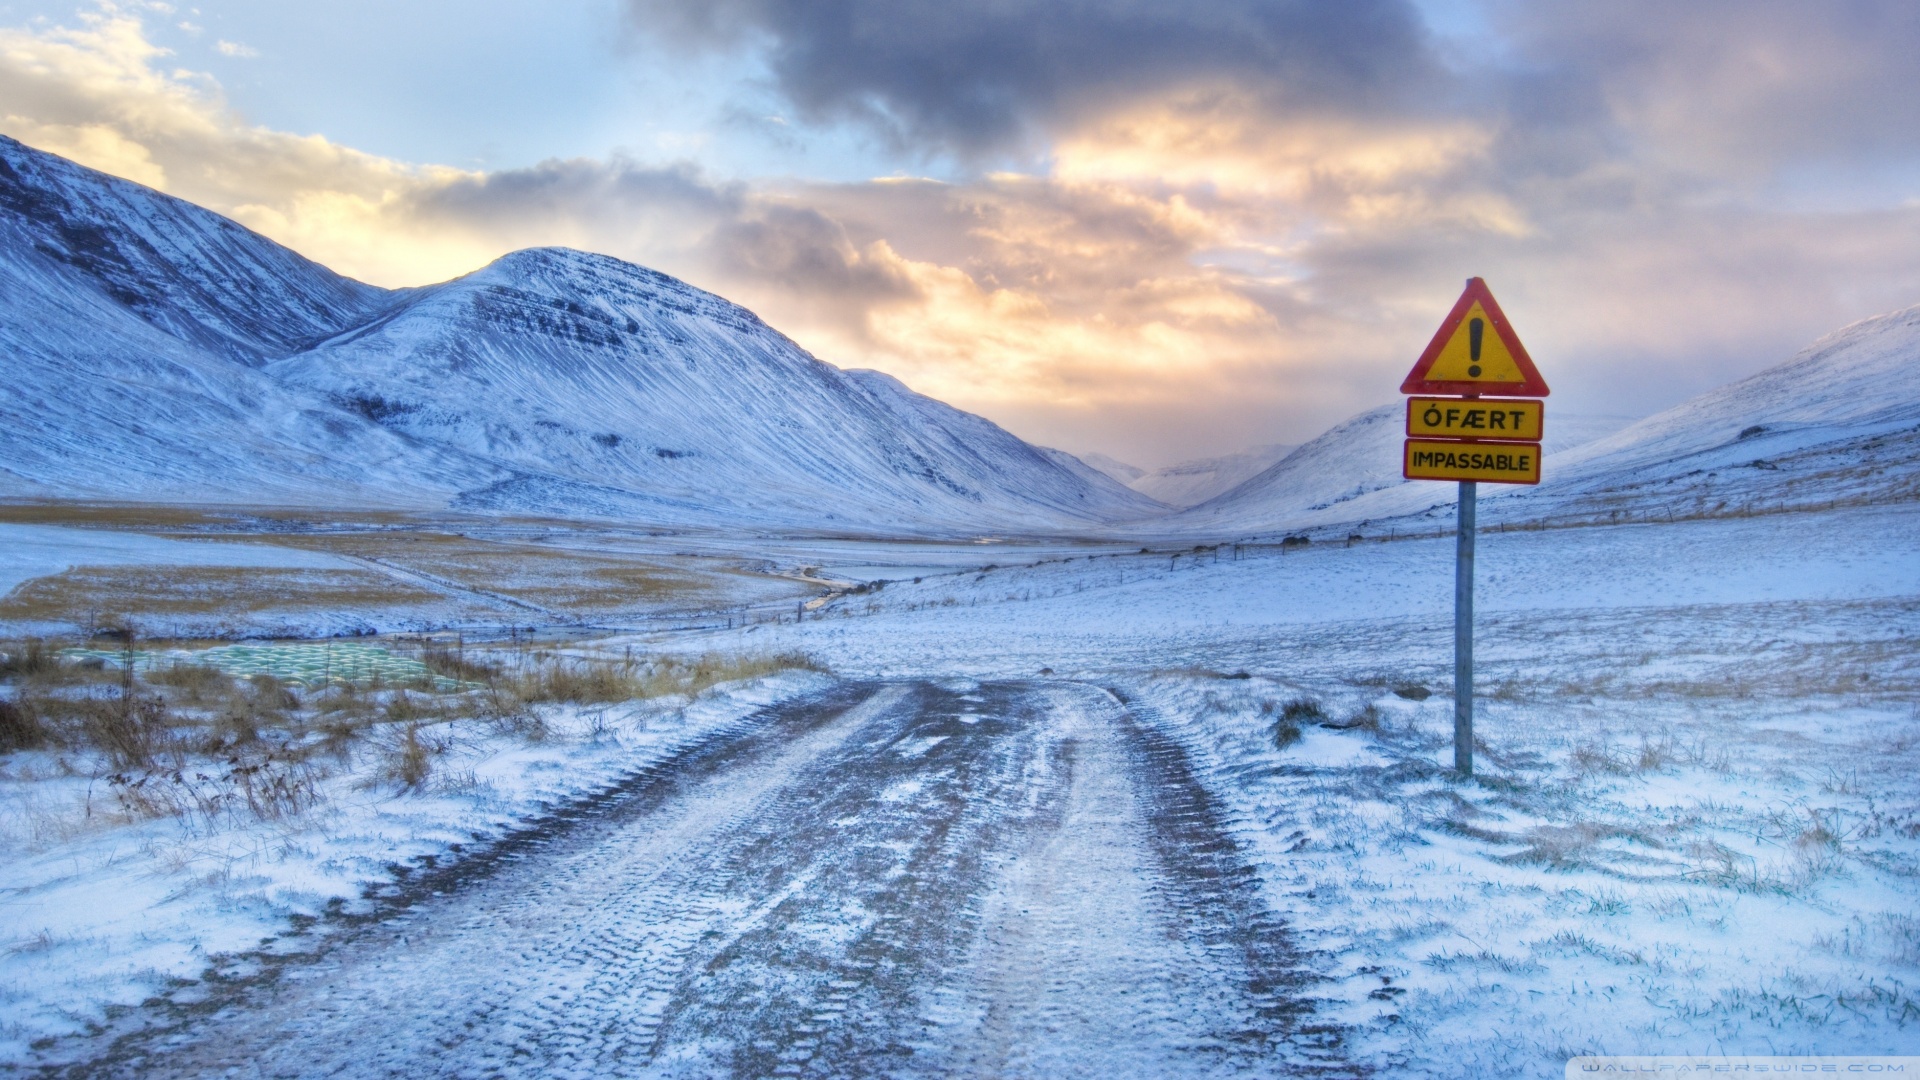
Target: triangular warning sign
{"points": [[1476, 352]]}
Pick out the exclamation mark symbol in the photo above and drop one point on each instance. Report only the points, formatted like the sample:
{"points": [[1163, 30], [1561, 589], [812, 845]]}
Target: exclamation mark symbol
{"points": [[1476, 330]]}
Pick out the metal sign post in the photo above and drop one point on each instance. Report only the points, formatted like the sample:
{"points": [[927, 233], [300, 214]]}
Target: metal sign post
{"points": [[1463, 632], [1470, 439]]}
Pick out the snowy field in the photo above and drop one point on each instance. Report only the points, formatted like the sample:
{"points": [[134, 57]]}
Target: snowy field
{"points": [[41, 550], [106, 906], [1695, 827], [339, 574]]}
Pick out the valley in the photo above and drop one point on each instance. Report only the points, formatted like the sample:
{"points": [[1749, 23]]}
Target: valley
{"points": [[557, 669]]}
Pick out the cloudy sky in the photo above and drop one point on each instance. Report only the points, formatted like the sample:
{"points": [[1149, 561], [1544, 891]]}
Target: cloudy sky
{"points": [[1150, 229]]}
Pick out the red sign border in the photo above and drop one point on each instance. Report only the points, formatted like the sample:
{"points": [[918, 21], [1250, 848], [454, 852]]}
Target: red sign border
{"points": [[1532, 385]]}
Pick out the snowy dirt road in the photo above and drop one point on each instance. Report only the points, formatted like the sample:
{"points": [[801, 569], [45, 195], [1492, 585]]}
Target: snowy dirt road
{"points": [[894, 879]]}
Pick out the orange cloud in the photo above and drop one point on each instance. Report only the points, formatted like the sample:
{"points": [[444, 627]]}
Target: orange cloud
{"points": [[1189, 274]]}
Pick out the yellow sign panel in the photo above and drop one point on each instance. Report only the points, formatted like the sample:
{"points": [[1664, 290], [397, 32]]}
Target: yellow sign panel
{"points": [[1475, 354], [1470, 418], [1499, 463]]}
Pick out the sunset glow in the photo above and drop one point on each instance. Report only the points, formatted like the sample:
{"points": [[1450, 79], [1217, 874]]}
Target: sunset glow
{"points": [[1247, 247]]}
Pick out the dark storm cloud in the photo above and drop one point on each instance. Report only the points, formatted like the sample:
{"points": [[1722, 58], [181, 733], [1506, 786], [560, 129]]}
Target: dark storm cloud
{"points": [[809, 253], [561, 187], [678, 219], [974, 77], [1731, 83]]}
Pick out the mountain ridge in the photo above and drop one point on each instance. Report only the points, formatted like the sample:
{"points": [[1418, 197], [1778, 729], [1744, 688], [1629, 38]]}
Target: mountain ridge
{"points": [[167, 353]]}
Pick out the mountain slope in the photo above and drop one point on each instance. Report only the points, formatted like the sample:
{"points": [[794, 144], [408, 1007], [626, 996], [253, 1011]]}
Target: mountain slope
{"points": [[159, 351], [592, 371], [1193, 482], [1351, 473], [1839, 421], [133, 325], [190, 273], [1112, 467]]}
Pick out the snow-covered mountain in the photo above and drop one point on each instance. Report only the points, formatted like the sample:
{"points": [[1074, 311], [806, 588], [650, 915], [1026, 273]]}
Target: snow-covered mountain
{"points": [[134, 327], [1190, 483], [160, 351], [1839, 421], [1334, 477], [1113, 467]]}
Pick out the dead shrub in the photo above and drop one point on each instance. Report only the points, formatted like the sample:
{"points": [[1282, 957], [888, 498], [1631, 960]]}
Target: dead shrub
{"points": [[274, 788], [197, 683], [1654, 756], [273, 692], [1303, 711], [1366, 719], [454, 664], [269, 788], [410, 762], [132, 731], [20, 728], [583, 681], [580, 682], [31, 658], [1597, 758]]}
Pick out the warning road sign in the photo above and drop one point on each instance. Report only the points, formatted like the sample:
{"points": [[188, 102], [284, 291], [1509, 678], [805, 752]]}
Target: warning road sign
{"points": [[1475, 418], [1475, 352], [1499, 463]]}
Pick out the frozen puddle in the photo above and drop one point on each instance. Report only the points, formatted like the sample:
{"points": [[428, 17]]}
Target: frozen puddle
{"points": [[1037, 887]]}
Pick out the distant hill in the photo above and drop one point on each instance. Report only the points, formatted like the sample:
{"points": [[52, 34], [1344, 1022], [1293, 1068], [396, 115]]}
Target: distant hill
{"points": [[1192, 482], [1114, 467], [158, 351], [1840, 421], [1338, 476], [1195, 481]]}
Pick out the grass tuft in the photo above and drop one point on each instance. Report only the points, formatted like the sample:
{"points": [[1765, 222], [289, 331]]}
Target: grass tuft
{"points": [[20, 729], [32, 658]]}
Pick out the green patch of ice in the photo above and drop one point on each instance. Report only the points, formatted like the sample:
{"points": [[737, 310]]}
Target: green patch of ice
{"points": [[308, 663]]}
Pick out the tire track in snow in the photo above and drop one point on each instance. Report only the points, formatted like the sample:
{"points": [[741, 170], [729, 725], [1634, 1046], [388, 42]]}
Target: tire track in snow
{"points": [[1128, 938], [470, 974], [1017, 879]]}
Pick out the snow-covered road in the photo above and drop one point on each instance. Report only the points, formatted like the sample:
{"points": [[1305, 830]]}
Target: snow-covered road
{"points": [[894, 878]]}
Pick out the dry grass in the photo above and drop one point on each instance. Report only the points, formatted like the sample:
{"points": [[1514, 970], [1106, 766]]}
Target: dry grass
{"points": [[408, 761], [493, 574], [456, 664], [92, 596], [19, 728], [191, 742], [151, 517], [556, 579], [197, 683], [32, 658], [106, 515], [589, 681]]}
